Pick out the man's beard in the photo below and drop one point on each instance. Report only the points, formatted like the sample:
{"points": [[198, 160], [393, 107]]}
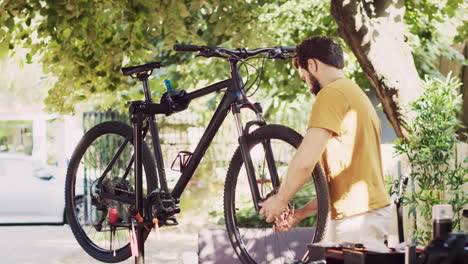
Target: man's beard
{"points": [[316, 87]]}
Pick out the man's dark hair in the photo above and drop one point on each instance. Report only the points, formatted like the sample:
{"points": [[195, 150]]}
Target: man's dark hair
{"points": [[321, 48]]}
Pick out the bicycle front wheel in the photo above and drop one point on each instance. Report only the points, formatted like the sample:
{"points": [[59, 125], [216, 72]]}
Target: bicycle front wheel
{"points": [[102, 163], [254, 240]]}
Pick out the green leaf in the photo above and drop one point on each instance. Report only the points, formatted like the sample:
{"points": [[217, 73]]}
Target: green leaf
{"points": [[66, 32], [10, 23], [4, 47], [101, 73], [28, 58]]}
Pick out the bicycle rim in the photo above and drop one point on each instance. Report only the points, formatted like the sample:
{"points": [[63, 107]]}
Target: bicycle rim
{"points": [[93, 220], [257, 241]]}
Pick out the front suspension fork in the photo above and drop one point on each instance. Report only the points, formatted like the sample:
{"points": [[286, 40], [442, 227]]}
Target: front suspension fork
{"points": [[247, 159]]}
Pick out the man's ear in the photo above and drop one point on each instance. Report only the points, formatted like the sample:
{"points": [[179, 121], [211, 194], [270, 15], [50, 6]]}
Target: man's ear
{"points": [[312, 65]]}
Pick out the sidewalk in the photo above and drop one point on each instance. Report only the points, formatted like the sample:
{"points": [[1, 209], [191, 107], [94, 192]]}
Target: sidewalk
{"points": [[172, 246], [57, 245]]}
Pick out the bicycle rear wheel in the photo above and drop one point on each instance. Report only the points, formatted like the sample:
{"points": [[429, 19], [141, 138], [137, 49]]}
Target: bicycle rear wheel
{"points": [[254, 240], [91, 159]]}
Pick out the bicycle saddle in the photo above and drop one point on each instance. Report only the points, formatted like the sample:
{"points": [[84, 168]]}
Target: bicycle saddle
{"points": [[141, 68]]}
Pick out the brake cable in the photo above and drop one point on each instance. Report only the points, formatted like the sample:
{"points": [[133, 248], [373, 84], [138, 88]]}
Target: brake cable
{"points": [[259, 77]]}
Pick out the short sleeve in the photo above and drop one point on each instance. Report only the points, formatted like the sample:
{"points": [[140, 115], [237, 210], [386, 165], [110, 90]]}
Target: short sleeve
{"points": [[328, 110]]}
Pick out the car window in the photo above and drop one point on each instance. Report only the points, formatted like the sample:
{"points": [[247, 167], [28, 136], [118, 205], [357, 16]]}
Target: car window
{"points": [[14, 168]]}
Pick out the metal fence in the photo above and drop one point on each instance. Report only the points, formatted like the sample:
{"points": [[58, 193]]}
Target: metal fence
{"points": [[181, 132]]}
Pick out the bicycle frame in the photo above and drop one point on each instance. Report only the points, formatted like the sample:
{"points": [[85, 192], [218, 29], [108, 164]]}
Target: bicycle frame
{"points": [[159, 205], [233, 100]]}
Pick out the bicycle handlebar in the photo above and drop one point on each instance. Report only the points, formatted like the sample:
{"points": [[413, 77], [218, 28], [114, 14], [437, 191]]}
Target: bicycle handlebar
{"points": [[273, 53], [189, 48]]}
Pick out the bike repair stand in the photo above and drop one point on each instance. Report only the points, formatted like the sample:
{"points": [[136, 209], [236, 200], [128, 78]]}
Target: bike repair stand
{"points": [[138, 111], [137, 124]]}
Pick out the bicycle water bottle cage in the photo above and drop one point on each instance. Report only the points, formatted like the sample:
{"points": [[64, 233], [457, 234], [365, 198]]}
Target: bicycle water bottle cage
{"points": [[176, 99], [182, 159]]}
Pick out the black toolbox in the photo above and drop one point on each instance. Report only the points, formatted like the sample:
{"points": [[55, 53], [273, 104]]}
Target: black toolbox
{"points": [[353, 256], [356, 256]]}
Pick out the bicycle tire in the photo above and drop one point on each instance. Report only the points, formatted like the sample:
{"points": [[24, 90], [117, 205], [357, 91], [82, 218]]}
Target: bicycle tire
{"points": [[100, 132], [292, 138]]}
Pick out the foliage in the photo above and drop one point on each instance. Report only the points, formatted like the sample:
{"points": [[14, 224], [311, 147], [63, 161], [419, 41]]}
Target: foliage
{"points": [[248, 217], [21, 85], [84, 43], [430, 149], [433, 26]]}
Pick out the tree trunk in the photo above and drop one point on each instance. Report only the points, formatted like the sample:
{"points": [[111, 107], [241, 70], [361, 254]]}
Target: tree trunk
{"points": [[374, 30]]}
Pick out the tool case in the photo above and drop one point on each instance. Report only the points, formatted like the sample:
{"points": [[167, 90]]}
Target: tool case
{"points": [[353, 256]]}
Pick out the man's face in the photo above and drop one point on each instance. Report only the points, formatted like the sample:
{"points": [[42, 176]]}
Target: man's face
{"points": [[306, 76]]}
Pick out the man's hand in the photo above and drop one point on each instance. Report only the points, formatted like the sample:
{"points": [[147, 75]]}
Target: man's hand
{"points": [[286, 221], [299, 171], [273, 207], [290, 219]]}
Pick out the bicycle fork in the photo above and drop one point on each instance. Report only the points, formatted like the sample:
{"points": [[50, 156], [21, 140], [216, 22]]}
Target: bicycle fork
{"points": [[247, 159]]}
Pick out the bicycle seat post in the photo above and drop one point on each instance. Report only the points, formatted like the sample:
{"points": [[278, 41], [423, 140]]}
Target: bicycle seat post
{"points": [[143, 77]]}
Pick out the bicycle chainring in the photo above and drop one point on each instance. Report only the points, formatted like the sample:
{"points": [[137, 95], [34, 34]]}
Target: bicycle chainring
{"points": [[161, 205]]}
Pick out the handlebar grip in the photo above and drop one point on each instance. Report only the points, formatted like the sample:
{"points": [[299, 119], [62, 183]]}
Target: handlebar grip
{"points": [[190, 48], [289, 49]]}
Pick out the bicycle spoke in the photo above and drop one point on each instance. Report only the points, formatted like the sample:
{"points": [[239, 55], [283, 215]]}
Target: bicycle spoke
{"points": [[261, 242], [101, 176]]}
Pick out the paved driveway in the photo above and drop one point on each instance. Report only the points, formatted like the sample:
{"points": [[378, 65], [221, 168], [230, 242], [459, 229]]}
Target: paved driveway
{"points": [[56, 245]]}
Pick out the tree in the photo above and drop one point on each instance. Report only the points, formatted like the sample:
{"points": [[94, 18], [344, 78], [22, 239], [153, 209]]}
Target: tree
{"points": [[376, 33], [373, 31], [84, 43]]}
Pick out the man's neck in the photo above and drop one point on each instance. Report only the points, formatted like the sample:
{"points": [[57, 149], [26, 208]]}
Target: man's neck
{"points": [[330, 76]]}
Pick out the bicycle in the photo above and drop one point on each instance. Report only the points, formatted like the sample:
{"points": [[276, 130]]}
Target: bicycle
{"points": [[118, 207]]}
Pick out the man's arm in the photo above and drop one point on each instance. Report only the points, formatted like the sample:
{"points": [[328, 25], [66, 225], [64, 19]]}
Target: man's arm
{"points": [[299, 171], [303, 162]]}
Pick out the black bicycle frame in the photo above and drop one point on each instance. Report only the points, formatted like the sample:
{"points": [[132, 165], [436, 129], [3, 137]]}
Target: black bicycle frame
{"points": [[230, 97], [233, 100]]}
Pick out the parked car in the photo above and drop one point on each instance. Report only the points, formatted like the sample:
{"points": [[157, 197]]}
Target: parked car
{"points": [[30, 192]]}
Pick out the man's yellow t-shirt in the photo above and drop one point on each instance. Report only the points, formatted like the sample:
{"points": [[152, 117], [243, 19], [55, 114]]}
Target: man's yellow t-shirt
{"points": [[352, 159]]}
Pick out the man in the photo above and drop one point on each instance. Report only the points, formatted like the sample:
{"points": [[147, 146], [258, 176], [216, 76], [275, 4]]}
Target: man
{"points": [[344, 135]]}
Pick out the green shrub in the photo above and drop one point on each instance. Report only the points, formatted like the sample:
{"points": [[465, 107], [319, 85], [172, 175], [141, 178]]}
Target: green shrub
{"points": [[431, 151]]}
